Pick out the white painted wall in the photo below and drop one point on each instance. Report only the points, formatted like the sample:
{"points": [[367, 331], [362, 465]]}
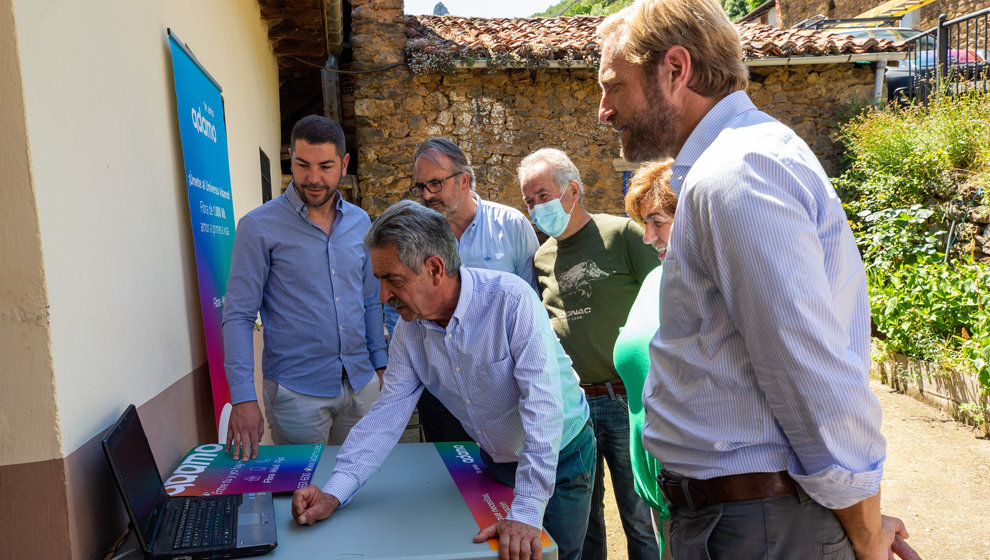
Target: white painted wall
{"points": [[106, 166]]}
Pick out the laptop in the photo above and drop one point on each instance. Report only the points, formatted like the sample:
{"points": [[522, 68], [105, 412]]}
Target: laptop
{"points": [[183, 527]]}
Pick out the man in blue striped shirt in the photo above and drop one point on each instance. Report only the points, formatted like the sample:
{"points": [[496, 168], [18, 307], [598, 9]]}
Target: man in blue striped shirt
{"points": [[482, 343], [758, 401], [300, 260]]}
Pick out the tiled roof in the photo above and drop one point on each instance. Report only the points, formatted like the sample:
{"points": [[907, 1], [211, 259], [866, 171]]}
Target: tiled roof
{"points": [[573, 38]]}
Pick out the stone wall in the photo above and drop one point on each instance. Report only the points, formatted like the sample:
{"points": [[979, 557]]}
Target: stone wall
{"points": [[497, 118], [795, 11], [811, 99], [500, 116]]}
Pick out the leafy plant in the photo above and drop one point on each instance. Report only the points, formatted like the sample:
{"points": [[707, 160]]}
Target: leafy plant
{"points": [[904, 168], [894, 237]]}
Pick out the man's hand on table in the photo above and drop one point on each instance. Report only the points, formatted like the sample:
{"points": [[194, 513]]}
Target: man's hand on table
{"points": [[244, 430], [516, 540], [310, 504]]}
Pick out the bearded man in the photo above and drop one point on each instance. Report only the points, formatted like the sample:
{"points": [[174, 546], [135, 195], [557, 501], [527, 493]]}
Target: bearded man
{"points": [[757, 401], [300, 260]]}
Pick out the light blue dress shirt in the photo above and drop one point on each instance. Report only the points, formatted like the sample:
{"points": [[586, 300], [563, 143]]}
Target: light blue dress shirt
{"points": [[499, 238], [761, 363], [499, 368], [317, 296]]}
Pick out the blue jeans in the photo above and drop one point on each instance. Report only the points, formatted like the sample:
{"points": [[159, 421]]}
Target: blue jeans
{"points": [[566, 516], [610, 416]]}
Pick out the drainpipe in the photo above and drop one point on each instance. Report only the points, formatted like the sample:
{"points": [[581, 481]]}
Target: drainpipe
{"points": [[881, 67], [334, 22]]}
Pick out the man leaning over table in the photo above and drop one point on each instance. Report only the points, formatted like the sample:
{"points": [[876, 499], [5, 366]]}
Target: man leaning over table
{"points": [[300, 260], [482, 343]]}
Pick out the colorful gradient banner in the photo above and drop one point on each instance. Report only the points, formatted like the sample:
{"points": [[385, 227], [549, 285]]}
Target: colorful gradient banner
{"points": [[203, 132], [207, 471], [487, 499]]}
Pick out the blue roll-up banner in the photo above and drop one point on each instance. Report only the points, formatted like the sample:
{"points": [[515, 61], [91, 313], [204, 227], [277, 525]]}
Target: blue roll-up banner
{"points": [[203, 131]]}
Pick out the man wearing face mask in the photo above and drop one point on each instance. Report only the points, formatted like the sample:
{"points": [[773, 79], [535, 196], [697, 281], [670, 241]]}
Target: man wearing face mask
{"points": [[589, 272], [300, 260]]}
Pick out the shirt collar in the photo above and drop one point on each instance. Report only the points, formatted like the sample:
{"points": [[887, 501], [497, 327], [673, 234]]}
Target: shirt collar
{"points": [[477, 211], [707, 130], [463, 303]]}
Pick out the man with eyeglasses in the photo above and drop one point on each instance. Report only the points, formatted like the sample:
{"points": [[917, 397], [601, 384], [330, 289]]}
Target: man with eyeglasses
{"points": [[489, 235]]}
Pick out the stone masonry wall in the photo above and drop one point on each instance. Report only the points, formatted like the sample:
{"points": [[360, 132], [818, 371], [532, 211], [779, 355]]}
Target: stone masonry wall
{"points": [[811, 99], [795, 11], [499, 117]]}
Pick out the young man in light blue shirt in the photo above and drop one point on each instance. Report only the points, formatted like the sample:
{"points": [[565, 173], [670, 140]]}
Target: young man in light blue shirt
{"points": [[300, 260]]}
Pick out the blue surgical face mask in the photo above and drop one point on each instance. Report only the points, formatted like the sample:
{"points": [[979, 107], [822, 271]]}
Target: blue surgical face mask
{"points": [[551, 217]]}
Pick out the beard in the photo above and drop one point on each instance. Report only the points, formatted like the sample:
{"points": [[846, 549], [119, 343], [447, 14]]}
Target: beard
{"points": [[651, 134], [444, 208], [317, 200]]}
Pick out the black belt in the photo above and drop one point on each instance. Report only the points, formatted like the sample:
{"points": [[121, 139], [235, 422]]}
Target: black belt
{"points": [[693, 493]]}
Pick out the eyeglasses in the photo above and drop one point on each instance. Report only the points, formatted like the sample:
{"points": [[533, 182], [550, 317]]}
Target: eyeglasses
{"points": [[433, 185]]}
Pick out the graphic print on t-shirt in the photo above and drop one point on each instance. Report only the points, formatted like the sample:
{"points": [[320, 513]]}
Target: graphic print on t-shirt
{"points": [[577, 280]]}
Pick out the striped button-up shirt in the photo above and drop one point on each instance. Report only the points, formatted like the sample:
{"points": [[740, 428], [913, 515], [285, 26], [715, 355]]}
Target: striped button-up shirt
{"points": [[499, 368], [761, 363]]}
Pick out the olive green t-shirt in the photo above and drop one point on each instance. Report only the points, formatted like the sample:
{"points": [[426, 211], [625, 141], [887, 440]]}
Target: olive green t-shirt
{"points": [[588, 282]]}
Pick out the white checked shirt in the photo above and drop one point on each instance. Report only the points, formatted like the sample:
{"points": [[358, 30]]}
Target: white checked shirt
{"points": [[499, 368], [761, 362]]}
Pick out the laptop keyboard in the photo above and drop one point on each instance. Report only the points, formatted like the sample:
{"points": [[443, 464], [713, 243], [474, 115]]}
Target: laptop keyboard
{"points": [[206, 522]]}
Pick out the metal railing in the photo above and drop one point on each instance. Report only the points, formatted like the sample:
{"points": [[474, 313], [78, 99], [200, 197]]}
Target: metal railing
{"points": [[949, 58]]}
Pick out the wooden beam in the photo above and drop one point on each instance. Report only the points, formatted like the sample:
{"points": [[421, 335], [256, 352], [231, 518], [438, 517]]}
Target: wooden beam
{"points": [[331, 90]]}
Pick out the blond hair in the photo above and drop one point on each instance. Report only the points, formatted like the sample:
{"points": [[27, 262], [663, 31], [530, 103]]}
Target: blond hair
{"points": [[650, 187], [647, 29]]}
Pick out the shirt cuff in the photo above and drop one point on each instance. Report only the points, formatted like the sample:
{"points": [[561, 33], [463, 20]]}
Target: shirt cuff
{"points": [[379, 359], [341, 486], [242, 392], [836, 487], [528, 510]]}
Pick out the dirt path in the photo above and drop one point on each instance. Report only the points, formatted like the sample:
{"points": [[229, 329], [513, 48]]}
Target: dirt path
{"points": [[936, 478]]}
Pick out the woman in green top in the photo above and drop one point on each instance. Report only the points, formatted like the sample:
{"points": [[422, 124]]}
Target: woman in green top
{"points": [[652, 203]]}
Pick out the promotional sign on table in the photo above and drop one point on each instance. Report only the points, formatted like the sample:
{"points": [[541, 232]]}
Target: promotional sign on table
{"points": [[203, 132], [487, 499], [207, 471]]}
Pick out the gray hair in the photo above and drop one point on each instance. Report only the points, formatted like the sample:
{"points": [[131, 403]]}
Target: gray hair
{"points": [[443, 146], [418, 233], [564, 170]]}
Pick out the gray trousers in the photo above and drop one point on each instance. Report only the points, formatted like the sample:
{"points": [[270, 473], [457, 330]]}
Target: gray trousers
{"points": [[768, 528]]}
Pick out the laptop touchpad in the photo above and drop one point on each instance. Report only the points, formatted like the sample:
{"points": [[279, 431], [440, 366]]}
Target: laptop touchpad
{"points": [[251, 518]]}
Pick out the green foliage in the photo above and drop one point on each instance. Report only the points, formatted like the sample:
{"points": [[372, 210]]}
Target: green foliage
{"points": [[738, 8], [904, 167], [932, 310], [584, 7], [895, 237], [900, 157]]}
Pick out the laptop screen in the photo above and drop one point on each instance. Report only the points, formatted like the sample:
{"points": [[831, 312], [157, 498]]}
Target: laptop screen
{"points": [[127, 449]]}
